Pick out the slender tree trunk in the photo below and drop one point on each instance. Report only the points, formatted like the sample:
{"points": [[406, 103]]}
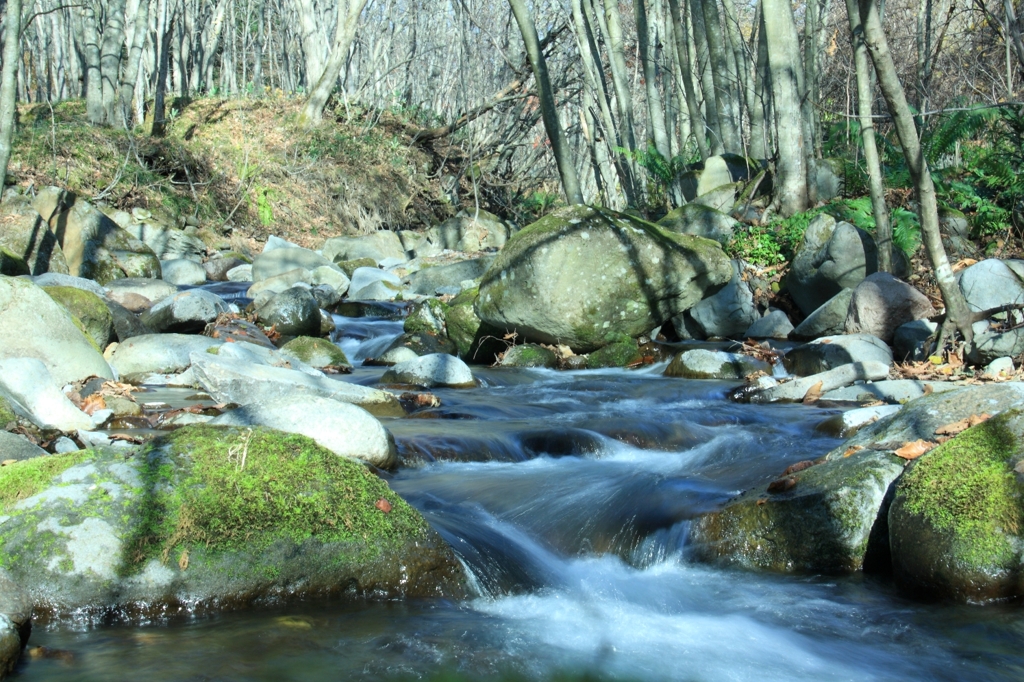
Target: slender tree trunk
{"points": [[725, 95], [883, 229], [8, 84], [760, 114], [110, 58], [620, 73], [683, 55], [958, 315], [165, 29], [712, 110], [348, 18], [563, 155], [812, 29], [131, 68], [93, 79], [783, 58], [655, 108]]}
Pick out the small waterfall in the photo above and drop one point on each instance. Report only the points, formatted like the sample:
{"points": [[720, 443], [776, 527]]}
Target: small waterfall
{"points": [[364, 337]]}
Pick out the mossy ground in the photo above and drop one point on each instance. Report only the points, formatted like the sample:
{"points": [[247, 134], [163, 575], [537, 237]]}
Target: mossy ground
{"points": [[967, 488], [26, 478], [245, 489]]}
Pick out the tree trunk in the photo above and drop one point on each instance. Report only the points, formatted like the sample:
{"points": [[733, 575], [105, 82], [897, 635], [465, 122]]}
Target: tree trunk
{"points": [[8, 84], [883, 229], [683, 55], [725, 95], [131, 68], [707, 85], [784, 62], [563, 155], [93, 80], [165, 26], [620, 73], [655, 108], [110, 58], [957, 313], [348, 18]]}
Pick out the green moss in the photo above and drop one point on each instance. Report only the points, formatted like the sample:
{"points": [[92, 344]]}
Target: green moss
{"points": [[316, 352], [529, 355], [230, 488], [7, 414], [350, 266], [94, 316], [213, 350], [618, 354], [967, 487], [26, 478], [427, 316]]}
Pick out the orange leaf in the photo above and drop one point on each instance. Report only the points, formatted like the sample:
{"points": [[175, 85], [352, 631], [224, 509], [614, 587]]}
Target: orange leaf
{"points": [[782, 485], [383, 505], [954, 428], [813, 394], [93, 404], [853, 449], [915, 449]]}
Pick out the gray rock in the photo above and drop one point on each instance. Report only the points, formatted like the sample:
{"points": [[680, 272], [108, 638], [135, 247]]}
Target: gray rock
{"points": [[881, 303], [378, 245], [529, 355], [274, 243], [910, 340], [235, 381], [279, 261], [126, 323], [28, 239], [830, 352], [187, 312], [93, 245], [15, 622], [279, 283], [582, 276], [373, 284], [729, 312], [991, 345], [33, 325], [426, 316], [292, 313], [33, 394], [856, 419], [342, 428], [395, 355], [774, 325], [896, 391], [834, 519], [427, 281], [253, 354], [326, 297], [217, 268], [700, 221], [158, 354], [844, 375], [721, 198], [167, 243], [832, 257], [182, 271], [686, 329], [421, 343], [429, 371], [827, 320], [56, 279], [463, 233], [990, 284], [1000, 368], [315, 352], [74, 544], [89, 309], [827, 176], [17, 447], [242, 273], [153, 290], [711, 364], [332, 277]]}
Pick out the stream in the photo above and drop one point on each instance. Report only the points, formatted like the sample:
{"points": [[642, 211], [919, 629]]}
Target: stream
{"points": [[568, 497]]}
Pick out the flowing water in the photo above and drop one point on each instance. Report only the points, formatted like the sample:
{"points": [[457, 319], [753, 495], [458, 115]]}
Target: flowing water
{"points": [[567, 495]]}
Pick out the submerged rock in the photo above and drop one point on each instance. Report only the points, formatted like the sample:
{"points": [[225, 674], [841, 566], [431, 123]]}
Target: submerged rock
{"points": [[212, 517], [581, 276]]}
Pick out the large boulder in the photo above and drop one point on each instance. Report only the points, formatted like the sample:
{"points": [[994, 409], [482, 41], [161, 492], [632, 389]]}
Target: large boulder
{"points": [[991, 284], [186, 313], [93, 245], [832, 257], [730, 311], [829, 352], [28, 239], [212, 517], [378, 246], [992, 345], [700, 221], [168, 243], [183, 271], [231, 380], [881, 303], [827, 319], [476, 341], [956, 524], [582, 276], [141, 356], [293, 312], [342, 428], [833, 517], [774, 325], [33, 325], [373, 284], [279, 261]]}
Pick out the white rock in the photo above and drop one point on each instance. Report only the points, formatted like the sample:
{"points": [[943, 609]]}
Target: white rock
{"points": [[436, 369], [34, 395]]}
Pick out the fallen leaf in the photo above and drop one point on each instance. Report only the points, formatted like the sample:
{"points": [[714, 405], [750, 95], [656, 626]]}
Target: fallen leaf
{"points": [[954, 428], [761, 501], [852, 450], [183, 560], [93, 404], [915, 449], [799, 466], [928, 389], [782, 485], [813, 394], [383, 505], [127, 438]]}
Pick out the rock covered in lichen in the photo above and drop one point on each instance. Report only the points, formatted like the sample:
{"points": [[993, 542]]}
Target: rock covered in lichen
{"points": [[318, 353], [477, 342], [89, 309], [701, 363], [581, 276], [956, 524], [529, 355], [211, 516]]}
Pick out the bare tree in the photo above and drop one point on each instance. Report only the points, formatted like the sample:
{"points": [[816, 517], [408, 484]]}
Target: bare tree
{"points": [[345, 33], [8, 84]]}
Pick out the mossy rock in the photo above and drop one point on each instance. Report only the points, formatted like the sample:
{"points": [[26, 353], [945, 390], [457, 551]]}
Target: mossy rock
{"points": [[350, 266], [427, 316], [90, 310], [529, 355], [212, 517], [11, 264], [956, 524], [7, 415], [478, 343], [315, 352], [618, 354]]}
